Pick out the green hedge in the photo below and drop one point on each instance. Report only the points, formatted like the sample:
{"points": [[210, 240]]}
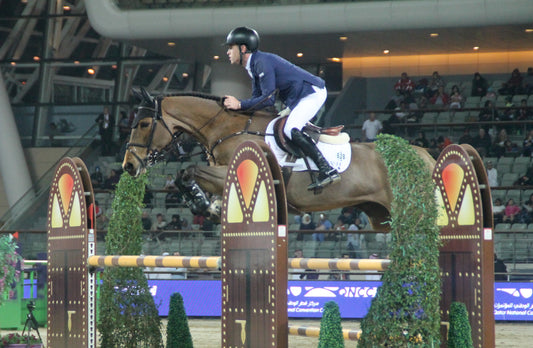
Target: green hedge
{"points": [[405, 312], [128, 316]]}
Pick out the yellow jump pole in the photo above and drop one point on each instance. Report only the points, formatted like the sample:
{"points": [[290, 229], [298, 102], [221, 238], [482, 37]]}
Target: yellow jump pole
{"points": [[309, 331], [155, 261], [340, 264]]}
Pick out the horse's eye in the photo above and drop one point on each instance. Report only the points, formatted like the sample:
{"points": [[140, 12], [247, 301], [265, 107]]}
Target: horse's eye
{"points": [[144, 124]]}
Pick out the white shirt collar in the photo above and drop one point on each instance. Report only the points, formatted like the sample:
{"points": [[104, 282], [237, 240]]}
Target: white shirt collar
{"points": [[248, 68]]}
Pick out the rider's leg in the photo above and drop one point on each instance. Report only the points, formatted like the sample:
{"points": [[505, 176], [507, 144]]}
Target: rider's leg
{"points": [[299, 116], [326, 175], [305, 110]]}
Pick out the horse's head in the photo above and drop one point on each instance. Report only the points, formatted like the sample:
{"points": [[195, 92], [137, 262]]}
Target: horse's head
{"points": [[150, 135]]}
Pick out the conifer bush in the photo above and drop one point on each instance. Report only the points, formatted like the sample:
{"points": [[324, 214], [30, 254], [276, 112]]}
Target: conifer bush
{"points": [[405, 311], [178, 333], [128, 316], [330, 327], [460, 334]]}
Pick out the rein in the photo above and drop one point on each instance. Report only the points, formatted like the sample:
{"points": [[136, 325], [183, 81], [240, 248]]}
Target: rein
{"points": [[154, 155]]}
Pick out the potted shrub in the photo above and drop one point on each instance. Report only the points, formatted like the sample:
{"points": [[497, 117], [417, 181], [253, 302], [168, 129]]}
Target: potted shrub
{"points": [[16, 340]]}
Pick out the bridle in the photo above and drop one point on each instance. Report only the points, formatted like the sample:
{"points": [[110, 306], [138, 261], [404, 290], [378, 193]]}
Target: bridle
{"points": [[153, 155]]}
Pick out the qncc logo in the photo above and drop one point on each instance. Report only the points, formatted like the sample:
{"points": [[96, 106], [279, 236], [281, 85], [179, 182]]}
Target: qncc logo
{"points": [[333, 291], [524, 292]]}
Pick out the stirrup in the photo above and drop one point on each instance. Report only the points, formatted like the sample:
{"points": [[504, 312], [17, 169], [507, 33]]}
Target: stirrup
{"points": [[331, 177]]}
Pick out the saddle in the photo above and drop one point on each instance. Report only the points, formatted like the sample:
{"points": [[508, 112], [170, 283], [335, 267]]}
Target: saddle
{"points": [[330, 135]]}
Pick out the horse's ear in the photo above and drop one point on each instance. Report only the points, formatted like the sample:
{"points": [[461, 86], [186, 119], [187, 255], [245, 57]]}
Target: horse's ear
{"points": [[147, 96], [137, 94]]}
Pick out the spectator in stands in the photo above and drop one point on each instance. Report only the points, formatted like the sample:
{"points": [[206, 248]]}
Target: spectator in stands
{"points": [[306, 224], [466, 138], [482, 142], [442, 142], [498, 209], [440, 99], [526, 179], [347, 216], [498, 147], [323, 224], [105, 125], [499, 269], [479, 86], [160, 223], [527, 144], [112, 180], [528, 81], [421, 140], [513, 85], [174, 224], [169, 183], [405, 87], [124, 127], [421, 87], [146, 221], [527, 209], [524, 112], [97, 178], [488, 113], [511, 148], [456, 98], [197, 221], [492, 174], [434, 85], [511, 211], [371, 128]]}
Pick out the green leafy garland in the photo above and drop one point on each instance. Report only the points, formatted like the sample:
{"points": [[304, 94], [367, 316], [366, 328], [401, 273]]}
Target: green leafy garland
{"points": [[330, 327], [8, 266], [405, 312], [128, 315], [178, 333]]}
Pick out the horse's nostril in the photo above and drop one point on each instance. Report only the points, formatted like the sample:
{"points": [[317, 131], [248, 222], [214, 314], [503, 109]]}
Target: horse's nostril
{"points": [[128, 167]]}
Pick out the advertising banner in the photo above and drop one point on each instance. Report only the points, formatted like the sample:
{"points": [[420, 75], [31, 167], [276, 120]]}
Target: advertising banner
{"points": [[512, 302]]}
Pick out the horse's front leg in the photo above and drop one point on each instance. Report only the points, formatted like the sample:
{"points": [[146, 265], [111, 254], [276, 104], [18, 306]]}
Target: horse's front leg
{"points": [[196, 181]]}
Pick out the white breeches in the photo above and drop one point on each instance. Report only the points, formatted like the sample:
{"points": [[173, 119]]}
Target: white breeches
{"points": [[305, 110]]}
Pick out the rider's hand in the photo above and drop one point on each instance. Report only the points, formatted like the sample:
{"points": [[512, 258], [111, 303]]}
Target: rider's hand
{"points": [[232, 103]]}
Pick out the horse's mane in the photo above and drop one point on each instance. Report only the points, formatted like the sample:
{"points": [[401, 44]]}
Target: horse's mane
{"points": [[194, 94], [270, 112]]}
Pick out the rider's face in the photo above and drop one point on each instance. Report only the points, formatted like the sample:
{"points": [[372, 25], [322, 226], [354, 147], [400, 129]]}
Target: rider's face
{"points": [[233, 54]]}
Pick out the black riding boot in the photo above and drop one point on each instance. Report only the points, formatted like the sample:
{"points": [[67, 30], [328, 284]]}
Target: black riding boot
{"points": [[326, 174]]}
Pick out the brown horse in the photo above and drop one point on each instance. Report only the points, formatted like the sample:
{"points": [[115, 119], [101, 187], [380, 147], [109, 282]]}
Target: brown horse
{"points": [[161, 120]]}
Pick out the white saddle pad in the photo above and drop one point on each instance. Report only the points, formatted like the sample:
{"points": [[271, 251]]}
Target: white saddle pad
{"points": [[337, 155]]}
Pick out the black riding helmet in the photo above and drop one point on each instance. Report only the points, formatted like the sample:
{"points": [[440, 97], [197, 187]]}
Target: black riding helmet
{"points": [[243, 36]]}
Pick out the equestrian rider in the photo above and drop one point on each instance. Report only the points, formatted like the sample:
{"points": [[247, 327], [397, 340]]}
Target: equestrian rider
{"points": [[302, 92]]}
